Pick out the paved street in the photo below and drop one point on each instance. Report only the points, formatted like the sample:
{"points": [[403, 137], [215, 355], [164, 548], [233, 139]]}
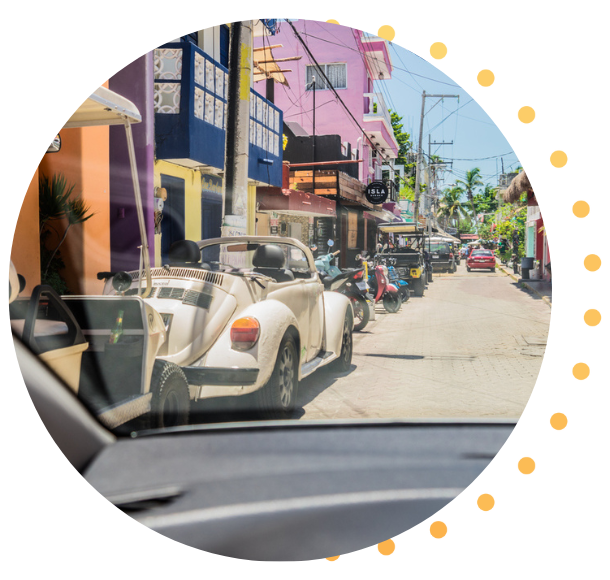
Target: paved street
{"points": [[471, 347]]}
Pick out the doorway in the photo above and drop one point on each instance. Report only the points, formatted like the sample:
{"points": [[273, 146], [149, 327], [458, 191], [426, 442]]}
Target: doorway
{"points": [[172, 225]]}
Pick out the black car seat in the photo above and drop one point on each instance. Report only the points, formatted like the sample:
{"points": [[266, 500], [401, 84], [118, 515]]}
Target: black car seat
{"points": [[269, 260], [186, 254]]}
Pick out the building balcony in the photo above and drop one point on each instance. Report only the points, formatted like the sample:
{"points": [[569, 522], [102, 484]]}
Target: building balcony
{"points": [[378, 122], [191, 115], [377, 57]]}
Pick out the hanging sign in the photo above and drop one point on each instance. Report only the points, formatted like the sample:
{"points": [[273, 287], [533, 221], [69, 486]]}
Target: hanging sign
{"points": [[376, 192]]}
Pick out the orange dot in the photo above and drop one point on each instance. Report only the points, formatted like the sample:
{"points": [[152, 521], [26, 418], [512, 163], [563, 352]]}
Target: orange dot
{"points": [[581, 209], [332, 22], [438, 530], [526, 114], [580, 371], [485, 502], [438, 50], [593, 262], [332, 558], [386, 32], [486, 78], [558, 159], [386, 548], [593, 317], [559, 421], [526, 465]]}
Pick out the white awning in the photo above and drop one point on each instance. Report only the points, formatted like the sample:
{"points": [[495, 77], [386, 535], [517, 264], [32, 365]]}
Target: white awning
{"points": [[400, 228], [104, 107], [382, 214]]}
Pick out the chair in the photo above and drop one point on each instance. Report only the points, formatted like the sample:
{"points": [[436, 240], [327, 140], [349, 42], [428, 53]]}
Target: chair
{"points": [[269, 260]]}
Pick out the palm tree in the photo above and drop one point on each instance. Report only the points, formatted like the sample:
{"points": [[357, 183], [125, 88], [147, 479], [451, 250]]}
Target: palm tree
{"points": [[54, 204], [473, 180], [451, 204]]}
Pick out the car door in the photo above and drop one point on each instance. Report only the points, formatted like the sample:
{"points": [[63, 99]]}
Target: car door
{"points": [[312, 290]]}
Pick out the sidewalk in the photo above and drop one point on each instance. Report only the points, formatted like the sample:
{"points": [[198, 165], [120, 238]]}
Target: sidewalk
{"points": [[542, 288]]}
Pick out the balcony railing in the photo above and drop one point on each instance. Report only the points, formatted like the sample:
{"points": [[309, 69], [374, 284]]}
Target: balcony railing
{"points": [[191, 114], [378, 110]]}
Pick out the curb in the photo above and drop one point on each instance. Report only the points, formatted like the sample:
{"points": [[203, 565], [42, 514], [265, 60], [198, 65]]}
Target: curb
{"points": [[531, 288]]}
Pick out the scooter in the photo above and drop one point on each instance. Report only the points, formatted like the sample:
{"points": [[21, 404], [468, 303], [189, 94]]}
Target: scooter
{"points": [[352, 283], [402, 285], [383, 290]]}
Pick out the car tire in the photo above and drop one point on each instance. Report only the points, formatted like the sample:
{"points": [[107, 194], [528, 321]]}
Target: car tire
{"points": [[344, 362], [419, 287], [277, 398], [467, 268], [493, 270], [170, 405], [361, 311]]}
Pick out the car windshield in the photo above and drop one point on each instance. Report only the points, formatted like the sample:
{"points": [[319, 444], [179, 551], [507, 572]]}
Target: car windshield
{"points": [[234, 282], [439, 247]]}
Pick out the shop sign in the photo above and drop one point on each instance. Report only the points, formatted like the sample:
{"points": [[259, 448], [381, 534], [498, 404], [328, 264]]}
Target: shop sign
{"points": [[376, 192]]}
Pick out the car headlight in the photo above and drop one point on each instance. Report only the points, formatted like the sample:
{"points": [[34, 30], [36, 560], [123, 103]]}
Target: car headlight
{"points": [[244, 333]]}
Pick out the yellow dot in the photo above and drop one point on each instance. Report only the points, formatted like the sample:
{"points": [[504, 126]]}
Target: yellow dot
{"points": [[438, 50], [593, 317], [333, 558], [526, 114], [333, 22], [580, 371], [438, 529], [526, 465], [486, 78], [581, 209], [485, 502], [593, 262], [558, 159], [559, 421], [386, 32], [386, 548]]}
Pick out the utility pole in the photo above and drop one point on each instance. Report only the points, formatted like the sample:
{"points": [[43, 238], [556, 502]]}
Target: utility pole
{"points": [[235, 208], [419, 147]]}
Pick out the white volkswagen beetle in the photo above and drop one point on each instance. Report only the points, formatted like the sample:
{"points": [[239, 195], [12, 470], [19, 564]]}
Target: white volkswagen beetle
{"points": [[241, 315]]}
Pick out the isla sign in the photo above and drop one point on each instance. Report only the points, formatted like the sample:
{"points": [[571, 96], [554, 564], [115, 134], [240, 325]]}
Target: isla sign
{"points": [[376, 192]]}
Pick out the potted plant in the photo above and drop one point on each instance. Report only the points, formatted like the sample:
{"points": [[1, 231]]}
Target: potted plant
{"points": [[57, 205]]}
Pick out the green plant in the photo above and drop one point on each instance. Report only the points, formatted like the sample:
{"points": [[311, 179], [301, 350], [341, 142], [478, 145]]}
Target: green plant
{"points": [[55, 205]]}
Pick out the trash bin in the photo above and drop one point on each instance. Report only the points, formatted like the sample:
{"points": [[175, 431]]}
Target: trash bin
{"points": [[527, 264]]}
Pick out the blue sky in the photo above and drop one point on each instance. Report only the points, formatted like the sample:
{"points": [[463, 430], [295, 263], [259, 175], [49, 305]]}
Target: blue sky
{"points": [[473, 133]]}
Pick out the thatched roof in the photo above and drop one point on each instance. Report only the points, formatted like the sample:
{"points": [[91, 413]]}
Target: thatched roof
{"points": [[517, 186]]}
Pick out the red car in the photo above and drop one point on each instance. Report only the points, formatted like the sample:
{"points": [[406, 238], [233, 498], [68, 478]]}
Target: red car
{"points": [[480, 259]]}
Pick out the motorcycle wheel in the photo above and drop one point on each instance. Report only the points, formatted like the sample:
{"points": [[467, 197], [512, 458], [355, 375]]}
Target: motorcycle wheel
{"points": [[391, 302], [405, 293], [361, 311]]}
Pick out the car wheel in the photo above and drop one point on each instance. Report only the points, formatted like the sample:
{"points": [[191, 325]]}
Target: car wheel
{"points": [[344, 362], [361, 311], [171, 401], [467, 268], [277, 398], [493, 269], [419, 287]]}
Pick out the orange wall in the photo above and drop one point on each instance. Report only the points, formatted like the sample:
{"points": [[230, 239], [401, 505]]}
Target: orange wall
{"points": [[84, 161], [25, 253]]}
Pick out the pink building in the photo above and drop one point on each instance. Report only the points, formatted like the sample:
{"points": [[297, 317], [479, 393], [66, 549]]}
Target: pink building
{"points": [[351, 61]]}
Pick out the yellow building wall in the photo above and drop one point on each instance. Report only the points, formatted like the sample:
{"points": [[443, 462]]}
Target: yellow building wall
{"points": [[192, 201], [251, 223]]}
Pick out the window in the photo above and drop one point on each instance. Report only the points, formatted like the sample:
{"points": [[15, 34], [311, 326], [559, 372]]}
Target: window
{"points": [[336, 73]]}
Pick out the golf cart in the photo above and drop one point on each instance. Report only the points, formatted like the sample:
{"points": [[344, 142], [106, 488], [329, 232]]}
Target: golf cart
{"points": [[409, 255]]}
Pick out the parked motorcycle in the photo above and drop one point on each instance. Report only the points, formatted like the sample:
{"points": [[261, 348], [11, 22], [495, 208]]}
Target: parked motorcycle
{"points": [[352, 283], [401, 285], [383, 290]]}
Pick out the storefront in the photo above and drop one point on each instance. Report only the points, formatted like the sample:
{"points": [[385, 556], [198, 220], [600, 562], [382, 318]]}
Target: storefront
{"points": [[536, 244]]}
